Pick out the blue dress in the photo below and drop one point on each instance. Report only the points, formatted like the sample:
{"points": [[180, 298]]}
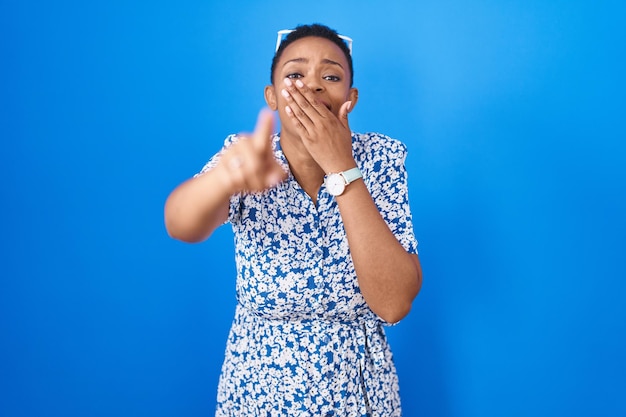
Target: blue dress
{"points": [[304, 341]]}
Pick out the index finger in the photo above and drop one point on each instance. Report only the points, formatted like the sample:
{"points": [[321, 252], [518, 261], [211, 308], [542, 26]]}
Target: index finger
{"points": [[305, 97], [264, 129]]}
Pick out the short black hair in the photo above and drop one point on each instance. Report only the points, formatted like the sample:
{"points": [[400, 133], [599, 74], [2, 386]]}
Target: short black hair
{"points": [[320, 31]]}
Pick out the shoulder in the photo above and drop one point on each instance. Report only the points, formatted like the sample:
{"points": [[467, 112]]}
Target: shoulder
{"points": [[230, 139], [378, 144]]}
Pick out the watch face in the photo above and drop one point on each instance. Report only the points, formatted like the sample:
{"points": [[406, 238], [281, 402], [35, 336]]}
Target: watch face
{"points": [[335, 184]]}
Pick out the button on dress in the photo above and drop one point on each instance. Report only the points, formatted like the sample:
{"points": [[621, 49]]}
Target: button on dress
{"points": [[303, 340]]}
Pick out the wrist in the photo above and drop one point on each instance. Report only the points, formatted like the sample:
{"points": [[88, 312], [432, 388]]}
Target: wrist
{"points": [[340, 166], [337, 182], [227, 186]]}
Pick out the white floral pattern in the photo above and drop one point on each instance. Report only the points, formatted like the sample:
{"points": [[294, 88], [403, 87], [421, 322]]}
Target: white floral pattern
{"points": [[303, 341]]}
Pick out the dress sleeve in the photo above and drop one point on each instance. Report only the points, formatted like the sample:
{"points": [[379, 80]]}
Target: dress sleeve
{"points": [[235, 200], [389, 189]]}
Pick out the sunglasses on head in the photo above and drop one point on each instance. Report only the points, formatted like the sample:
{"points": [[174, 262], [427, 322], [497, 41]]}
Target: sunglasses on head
{"points": [[283, 33]]}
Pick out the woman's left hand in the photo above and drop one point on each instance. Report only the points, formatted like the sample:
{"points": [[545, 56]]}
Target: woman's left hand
{"points": [[327, 137]]}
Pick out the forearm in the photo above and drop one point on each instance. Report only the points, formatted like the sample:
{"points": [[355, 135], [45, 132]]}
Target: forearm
{"points": [[197, 207], [389, 277]]}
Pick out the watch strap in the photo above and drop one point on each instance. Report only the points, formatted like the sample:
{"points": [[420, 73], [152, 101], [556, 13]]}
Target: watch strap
{"points": [[352, 175]]}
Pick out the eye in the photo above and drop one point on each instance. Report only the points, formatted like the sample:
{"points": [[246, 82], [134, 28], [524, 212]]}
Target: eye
{"points": [[332, 78], [294, 75]]}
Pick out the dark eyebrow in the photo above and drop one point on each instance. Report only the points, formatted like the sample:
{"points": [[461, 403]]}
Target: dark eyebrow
{"points": [[306, 61]]}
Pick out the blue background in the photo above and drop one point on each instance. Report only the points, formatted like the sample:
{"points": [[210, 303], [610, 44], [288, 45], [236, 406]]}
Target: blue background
{"points": [[514, 115]]}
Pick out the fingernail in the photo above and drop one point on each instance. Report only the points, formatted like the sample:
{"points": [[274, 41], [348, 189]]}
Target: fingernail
{"points": [[285, 93], [349, 106], [288, 110], [299, 83], [288, 82]]}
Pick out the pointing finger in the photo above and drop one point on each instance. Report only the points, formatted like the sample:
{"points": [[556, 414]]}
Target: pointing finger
{"points": [[264, 129]]}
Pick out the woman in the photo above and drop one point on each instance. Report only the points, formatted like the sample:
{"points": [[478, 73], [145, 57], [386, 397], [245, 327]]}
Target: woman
{"points": [[325, 249]]}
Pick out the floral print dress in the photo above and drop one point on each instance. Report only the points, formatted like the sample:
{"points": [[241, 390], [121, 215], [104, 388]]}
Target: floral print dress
{"points": [[303, 341]]}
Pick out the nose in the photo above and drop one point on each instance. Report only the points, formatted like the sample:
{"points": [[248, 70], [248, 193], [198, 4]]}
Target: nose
{"points": [[316, 85]]}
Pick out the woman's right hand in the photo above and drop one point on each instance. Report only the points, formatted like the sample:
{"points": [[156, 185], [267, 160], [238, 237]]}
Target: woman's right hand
{"points": [[249, 163], [199, 205]]}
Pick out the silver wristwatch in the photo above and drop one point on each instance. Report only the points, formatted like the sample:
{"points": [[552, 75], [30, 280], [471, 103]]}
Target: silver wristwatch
{"points": [[336, 182]]}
